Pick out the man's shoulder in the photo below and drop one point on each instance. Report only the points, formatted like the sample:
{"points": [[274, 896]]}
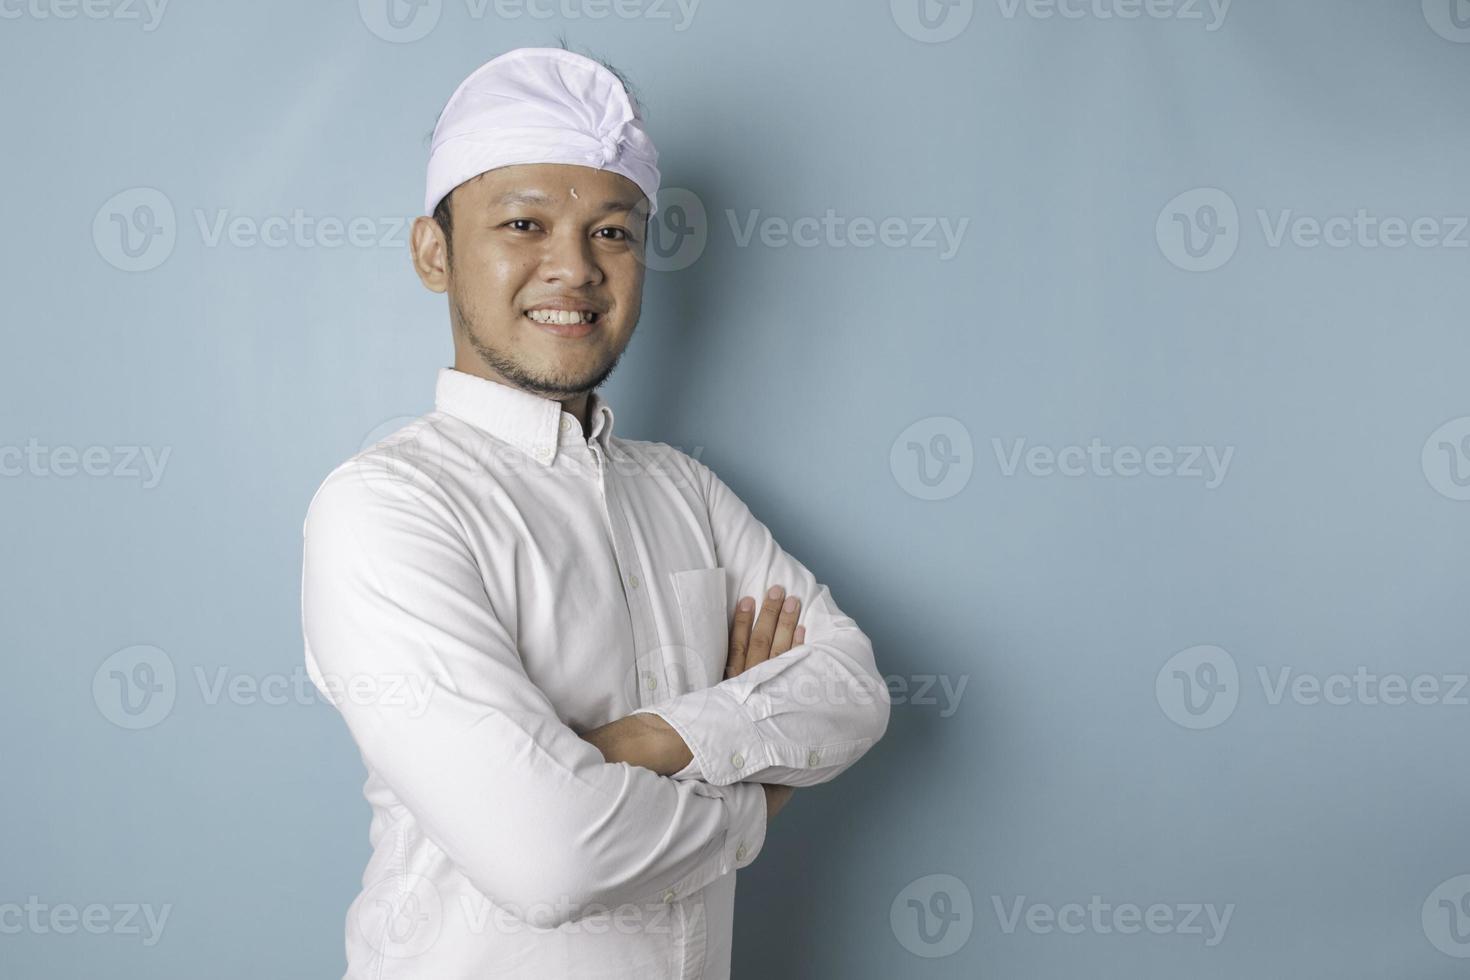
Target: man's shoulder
{"points": [[400, 470]]}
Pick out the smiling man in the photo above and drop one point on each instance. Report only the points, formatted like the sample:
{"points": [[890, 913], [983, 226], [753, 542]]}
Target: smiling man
{"points": [[596, 748]]}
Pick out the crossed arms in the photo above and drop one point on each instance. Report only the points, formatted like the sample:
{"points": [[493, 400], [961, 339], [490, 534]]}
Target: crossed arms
{"points": [[538, 818]]}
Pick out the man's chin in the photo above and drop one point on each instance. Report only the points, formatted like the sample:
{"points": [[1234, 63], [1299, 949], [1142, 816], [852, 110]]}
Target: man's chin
{"points": [[559, 380]]}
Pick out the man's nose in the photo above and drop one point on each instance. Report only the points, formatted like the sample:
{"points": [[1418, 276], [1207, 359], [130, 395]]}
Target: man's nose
{"points": [[569, 260]]}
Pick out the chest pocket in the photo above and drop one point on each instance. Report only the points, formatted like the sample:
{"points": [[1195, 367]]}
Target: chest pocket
{"points": [[700, 595]]}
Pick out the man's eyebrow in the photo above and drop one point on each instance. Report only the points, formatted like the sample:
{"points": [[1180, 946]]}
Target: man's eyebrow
{"points": [[511, 198]]}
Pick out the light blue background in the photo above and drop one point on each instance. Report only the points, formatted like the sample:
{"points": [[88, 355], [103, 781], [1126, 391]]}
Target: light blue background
{"points": [[1056, 600]]}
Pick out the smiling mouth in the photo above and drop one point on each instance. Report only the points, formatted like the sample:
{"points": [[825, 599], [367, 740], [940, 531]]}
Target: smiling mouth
{"points": [[562, 318], [567, 324]]}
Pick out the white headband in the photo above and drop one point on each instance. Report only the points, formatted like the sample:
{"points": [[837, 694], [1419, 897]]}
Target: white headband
{"points": [[539, 105]]}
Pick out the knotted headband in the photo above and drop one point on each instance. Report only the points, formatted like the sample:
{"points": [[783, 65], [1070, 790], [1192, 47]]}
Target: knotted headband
{"points": [[539, 105]]}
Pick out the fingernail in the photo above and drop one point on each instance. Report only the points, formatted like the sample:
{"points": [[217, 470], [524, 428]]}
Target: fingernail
{"points": [[746, 604], [790, 604], [775, 592]]}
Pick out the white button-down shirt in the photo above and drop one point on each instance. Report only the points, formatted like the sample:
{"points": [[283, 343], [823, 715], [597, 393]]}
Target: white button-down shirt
{"points": [[488, 582]]}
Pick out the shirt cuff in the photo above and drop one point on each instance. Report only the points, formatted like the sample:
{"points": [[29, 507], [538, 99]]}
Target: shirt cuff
{"points": [[747, 834], [725, 745]]}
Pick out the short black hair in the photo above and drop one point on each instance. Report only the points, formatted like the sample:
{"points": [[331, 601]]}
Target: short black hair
{"points": [[442, 215]]}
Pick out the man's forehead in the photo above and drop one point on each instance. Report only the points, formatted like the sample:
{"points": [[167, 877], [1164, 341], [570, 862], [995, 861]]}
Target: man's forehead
{"points": [[551, 183]]}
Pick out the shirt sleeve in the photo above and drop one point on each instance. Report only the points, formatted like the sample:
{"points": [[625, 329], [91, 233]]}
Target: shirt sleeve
{"points": [[799, 718], [532, 815]]}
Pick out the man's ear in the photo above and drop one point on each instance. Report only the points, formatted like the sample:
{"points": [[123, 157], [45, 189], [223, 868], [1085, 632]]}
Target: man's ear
{"points": [[430, 253]]}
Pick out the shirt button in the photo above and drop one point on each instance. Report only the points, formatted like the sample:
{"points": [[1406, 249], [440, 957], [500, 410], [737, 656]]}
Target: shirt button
{"points": [[668, 896], [737, 760], [650, 681], [566, 423], [543, 452], [812, 758], [740, 852], [633, 581]]}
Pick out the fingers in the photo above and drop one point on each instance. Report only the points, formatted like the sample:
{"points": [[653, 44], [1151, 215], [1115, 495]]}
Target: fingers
{"points": [[800, 637], [740, 636], [785, 625], [773, 622]]}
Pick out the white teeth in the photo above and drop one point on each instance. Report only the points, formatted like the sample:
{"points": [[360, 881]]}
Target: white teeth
{"points": [[564, 317]]}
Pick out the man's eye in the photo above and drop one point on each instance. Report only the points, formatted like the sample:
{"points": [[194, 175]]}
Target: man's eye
{"points": [[519, 221], [621, 232]]}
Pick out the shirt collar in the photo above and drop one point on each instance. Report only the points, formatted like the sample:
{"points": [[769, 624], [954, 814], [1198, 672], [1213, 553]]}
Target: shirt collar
{"points": [[529, 422]]}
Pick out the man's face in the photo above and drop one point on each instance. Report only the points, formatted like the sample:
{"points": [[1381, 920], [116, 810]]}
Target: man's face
{"points": [[530, 239]]}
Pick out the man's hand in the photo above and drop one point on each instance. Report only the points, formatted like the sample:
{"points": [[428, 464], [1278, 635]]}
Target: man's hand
{"points": [[772, 634], [754, 641], [776, 797]]}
